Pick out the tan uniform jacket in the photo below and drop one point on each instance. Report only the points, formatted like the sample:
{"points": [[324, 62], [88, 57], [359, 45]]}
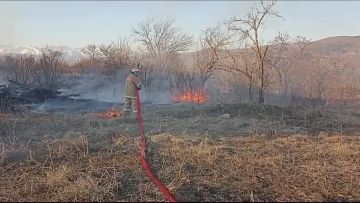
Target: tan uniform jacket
{"points": [[132, 85]]}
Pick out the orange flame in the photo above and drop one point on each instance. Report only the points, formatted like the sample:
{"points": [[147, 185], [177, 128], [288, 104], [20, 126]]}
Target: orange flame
{"points": [[112, 113], [198, 96]]}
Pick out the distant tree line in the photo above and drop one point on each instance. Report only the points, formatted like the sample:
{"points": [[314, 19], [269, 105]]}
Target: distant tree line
{"points": [[228, 54]]}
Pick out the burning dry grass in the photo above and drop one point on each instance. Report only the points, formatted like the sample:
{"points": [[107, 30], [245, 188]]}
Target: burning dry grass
{"points": [[111, 113], [291, 168], [198, 96]]}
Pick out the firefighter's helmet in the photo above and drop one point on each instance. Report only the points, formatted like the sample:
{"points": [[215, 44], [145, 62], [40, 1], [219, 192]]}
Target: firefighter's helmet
{"points": [[134, 70]]}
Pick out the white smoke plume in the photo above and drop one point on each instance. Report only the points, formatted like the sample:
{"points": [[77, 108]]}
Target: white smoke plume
{"points": [[110, 89], [2, 77]]}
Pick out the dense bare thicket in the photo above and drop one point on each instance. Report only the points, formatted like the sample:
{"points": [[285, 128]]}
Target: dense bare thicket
{"points": [[20, 68], [42, 71], [346, 91], [242, 66], [185, 80], [82, 66], [319, 76], [163, 41], [150, 76], [111, 57], [284, 55], [304, 76], [50, 65]]}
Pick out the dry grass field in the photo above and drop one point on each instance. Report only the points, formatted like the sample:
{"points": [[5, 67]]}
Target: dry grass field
{"points": [[258, 154]]}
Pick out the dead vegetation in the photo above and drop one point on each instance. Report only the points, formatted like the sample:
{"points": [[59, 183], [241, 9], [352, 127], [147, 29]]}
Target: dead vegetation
{"points": [[81, 157], [235, 152], [254, 168]]}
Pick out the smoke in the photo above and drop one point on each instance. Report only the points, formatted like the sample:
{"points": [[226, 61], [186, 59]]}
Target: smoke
{"points": [[93, 86], [2, 76], [91, 90], [62, 104]]}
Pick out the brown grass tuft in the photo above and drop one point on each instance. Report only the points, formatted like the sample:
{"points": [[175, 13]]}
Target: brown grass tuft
{"points": [[256, 168]]}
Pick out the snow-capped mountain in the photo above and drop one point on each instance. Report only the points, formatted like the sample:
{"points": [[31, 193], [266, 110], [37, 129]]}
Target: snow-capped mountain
{"points": [[70, 54]]}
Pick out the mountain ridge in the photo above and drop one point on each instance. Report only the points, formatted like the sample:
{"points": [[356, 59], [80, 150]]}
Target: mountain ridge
{"points": [[345, 48]]}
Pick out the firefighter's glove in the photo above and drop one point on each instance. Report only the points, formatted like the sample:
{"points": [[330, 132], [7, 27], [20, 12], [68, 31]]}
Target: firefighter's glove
{"points": [[139, 86]]}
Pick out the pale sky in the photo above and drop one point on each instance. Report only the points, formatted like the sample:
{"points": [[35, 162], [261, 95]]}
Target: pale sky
{"points": [[78, 23]]}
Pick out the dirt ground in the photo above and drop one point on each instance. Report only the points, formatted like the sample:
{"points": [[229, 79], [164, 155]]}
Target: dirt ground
{"points": [[238, 152]]}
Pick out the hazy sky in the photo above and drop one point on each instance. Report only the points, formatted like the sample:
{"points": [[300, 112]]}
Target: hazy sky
{"points": [[78, 23]]}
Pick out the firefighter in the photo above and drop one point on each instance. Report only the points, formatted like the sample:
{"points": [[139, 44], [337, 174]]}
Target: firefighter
{"points": [[132, 85]]}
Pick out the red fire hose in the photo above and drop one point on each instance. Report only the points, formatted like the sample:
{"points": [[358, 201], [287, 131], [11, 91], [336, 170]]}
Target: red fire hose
{"points": [[168, 195]]}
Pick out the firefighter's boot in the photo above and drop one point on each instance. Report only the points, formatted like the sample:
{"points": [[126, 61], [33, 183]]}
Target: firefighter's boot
{"points": [[126, 114]]}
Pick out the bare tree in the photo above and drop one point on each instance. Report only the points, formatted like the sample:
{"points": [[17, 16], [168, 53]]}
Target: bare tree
{"points": [[114, 55], [214, 42], [286, 53], [241, 64], [162, 40], [249, 28], [91, 50]]}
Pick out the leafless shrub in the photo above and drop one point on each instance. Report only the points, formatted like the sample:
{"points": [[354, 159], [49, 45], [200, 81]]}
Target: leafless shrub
{"points": [[43, 71], [188, 82], [50, 68], [149, 74], [21, 68]]}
